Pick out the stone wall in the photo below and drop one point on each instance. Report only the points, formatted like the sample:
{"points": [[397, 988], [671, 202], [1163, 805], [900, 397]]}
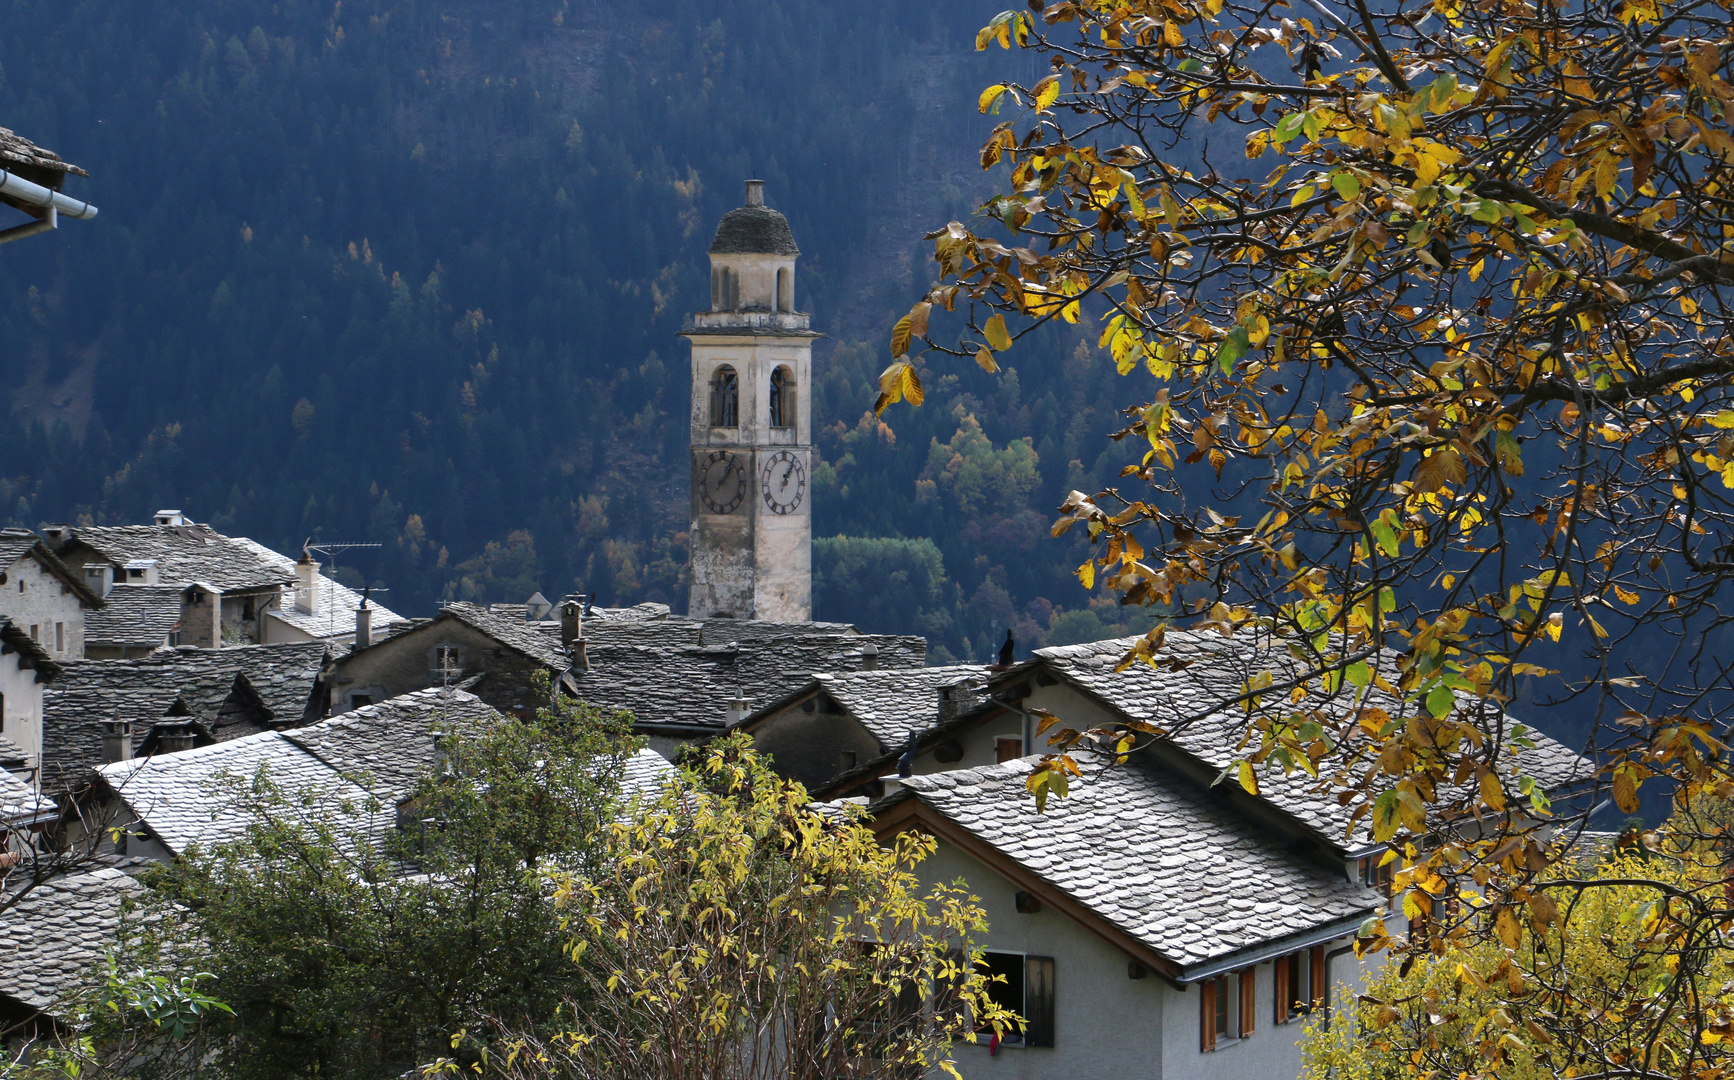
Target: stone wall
{"points": [[44, 607], [411, 661]]}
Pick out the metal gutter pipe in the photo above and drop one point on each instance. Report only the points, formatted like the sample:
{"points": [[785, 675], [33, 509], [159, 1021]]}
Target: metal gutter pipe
{"points": [[14, 186], [53, 204]]}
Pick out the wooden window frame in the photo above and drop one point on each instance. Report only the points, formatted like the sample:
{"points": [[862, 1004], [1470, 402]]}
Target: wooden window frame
{"points": [[1000, 745], [1316, 976], [1245, 1022]]}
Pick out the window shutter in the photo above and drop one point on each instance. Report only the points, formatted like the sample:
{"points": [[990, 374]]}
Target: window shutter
{"points": [[1281, 977], [1248, 999], [1207, 1015], [1038, 1001], [1316, 969]]}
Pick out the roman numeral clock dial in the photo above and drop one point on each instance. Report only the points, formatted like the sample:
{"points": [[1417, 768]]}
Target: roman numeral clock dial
{"points": [[783, 480], [722, 482]]}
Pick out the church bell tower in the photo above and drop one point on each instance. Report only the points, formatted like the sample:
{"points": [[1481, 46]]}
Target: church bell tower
{"points": [[752, 433]]}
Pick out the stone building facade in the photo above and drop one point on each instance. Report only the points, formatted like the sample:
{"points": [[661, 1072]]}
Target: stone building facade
{"points": [[752, 435]]}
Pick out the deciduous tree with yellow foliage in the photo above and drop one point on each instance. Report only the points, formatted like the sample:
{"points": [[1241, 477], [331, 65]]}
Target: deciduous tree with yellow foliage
{"points": [[1420, 307]]}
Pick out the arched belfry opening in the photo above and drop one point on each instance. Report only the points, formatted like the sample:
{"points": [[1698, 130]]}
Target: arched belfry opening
{"points": [[725, 398], [782, 397], [785, 290]]}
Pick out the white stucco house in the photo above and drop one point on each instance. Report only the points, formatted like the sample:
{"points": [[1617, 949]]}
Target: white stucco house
{"points": [[25, 668], [1153, 922]]}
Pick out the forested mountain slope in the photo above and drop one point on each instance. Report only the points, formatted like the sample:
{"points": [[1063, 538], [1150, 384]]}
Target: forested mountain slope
{"points": [[411, 272]]}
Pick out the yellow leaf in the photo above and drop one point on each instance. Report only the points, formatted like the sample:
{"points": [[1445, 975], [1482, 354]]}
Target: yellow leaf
{"points": [[900, 336], [1723, 419], [1171, 34], [1491, 792], [1554, 623], [1047, 91], [1510, 931], [1087, 574], [996, 334], [911, 385], [1248, 779], [990, 96], [1626, 791], [1626, 594], [918, 319], [984, 358]]}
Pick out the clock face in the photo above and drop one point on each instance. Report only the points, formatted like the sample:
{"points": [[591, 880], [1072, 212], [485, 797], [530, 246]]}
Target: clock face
{"points": [[722, 482], [783, 480]]}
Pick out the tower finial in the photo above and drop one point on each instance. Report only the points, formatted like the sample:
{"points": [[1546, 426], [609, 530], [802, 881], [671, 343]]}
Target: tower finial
{"points": [[755, 193]]}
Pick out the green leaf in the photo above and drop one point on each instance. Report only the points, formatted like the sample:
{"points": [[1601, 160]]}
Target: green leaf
{"points": [[1347, 186], [1359, 674], [1387, 539], [1288, 127], [1232, 349], [1440, 701]]}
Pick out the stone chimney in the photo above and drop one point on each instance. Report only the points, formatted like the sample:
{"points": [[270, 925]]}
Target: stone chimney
{"points": [[957, 698], [571, 623], [116, 740], [869, 657], [755, 193], [172, 739], [172, 517], [363, 625], [57, 533], [738, 709], [306, 583]]}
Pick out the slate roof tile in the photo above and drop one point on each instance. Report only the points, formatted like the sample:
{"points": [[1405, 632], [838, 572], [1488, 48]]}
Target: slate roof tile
{"points": [[186, 554], [1223, 886], [1200, 670], [144, 690], [137, 616], [334, 605], [667, 682], [15, 149], [40, 960], [377, 749]]}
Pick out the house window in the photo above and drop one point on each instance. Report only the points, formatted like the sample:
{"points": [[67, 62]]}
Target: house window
{"points": [[2, 712], [782, 398], [357, 701], [846, 760], [134, 573], [1226, 1007], [725, 398], [1007, 749], [1023, 985], [446, 661], [59, 637], [1377, 874], [35, 632], [1293, 997]]}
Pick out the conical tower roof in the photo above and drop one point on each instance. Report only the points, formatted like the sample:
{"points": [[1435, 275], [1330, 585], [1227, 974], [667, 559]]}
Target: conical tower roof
{"points": [[754, 229]]}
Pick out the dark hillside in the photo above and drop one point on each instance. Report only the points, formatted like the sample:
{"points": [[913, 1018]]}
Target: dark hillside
{"points": [[411, 272]]}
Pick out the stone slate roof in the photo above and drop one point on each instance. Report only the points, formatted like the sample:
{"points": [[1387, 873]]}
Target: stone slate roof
{"points": [[375, 750], [186, 554], [1212, 669], [753, 230], [19, 802], [515, 634], [644, 774], [14, 638], [200, 683], [57, 932], [139, 616], [15, 543], [390, 743], [16, 150], [1166, 864], [666, 683], [888, 703], [334, 605]]}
